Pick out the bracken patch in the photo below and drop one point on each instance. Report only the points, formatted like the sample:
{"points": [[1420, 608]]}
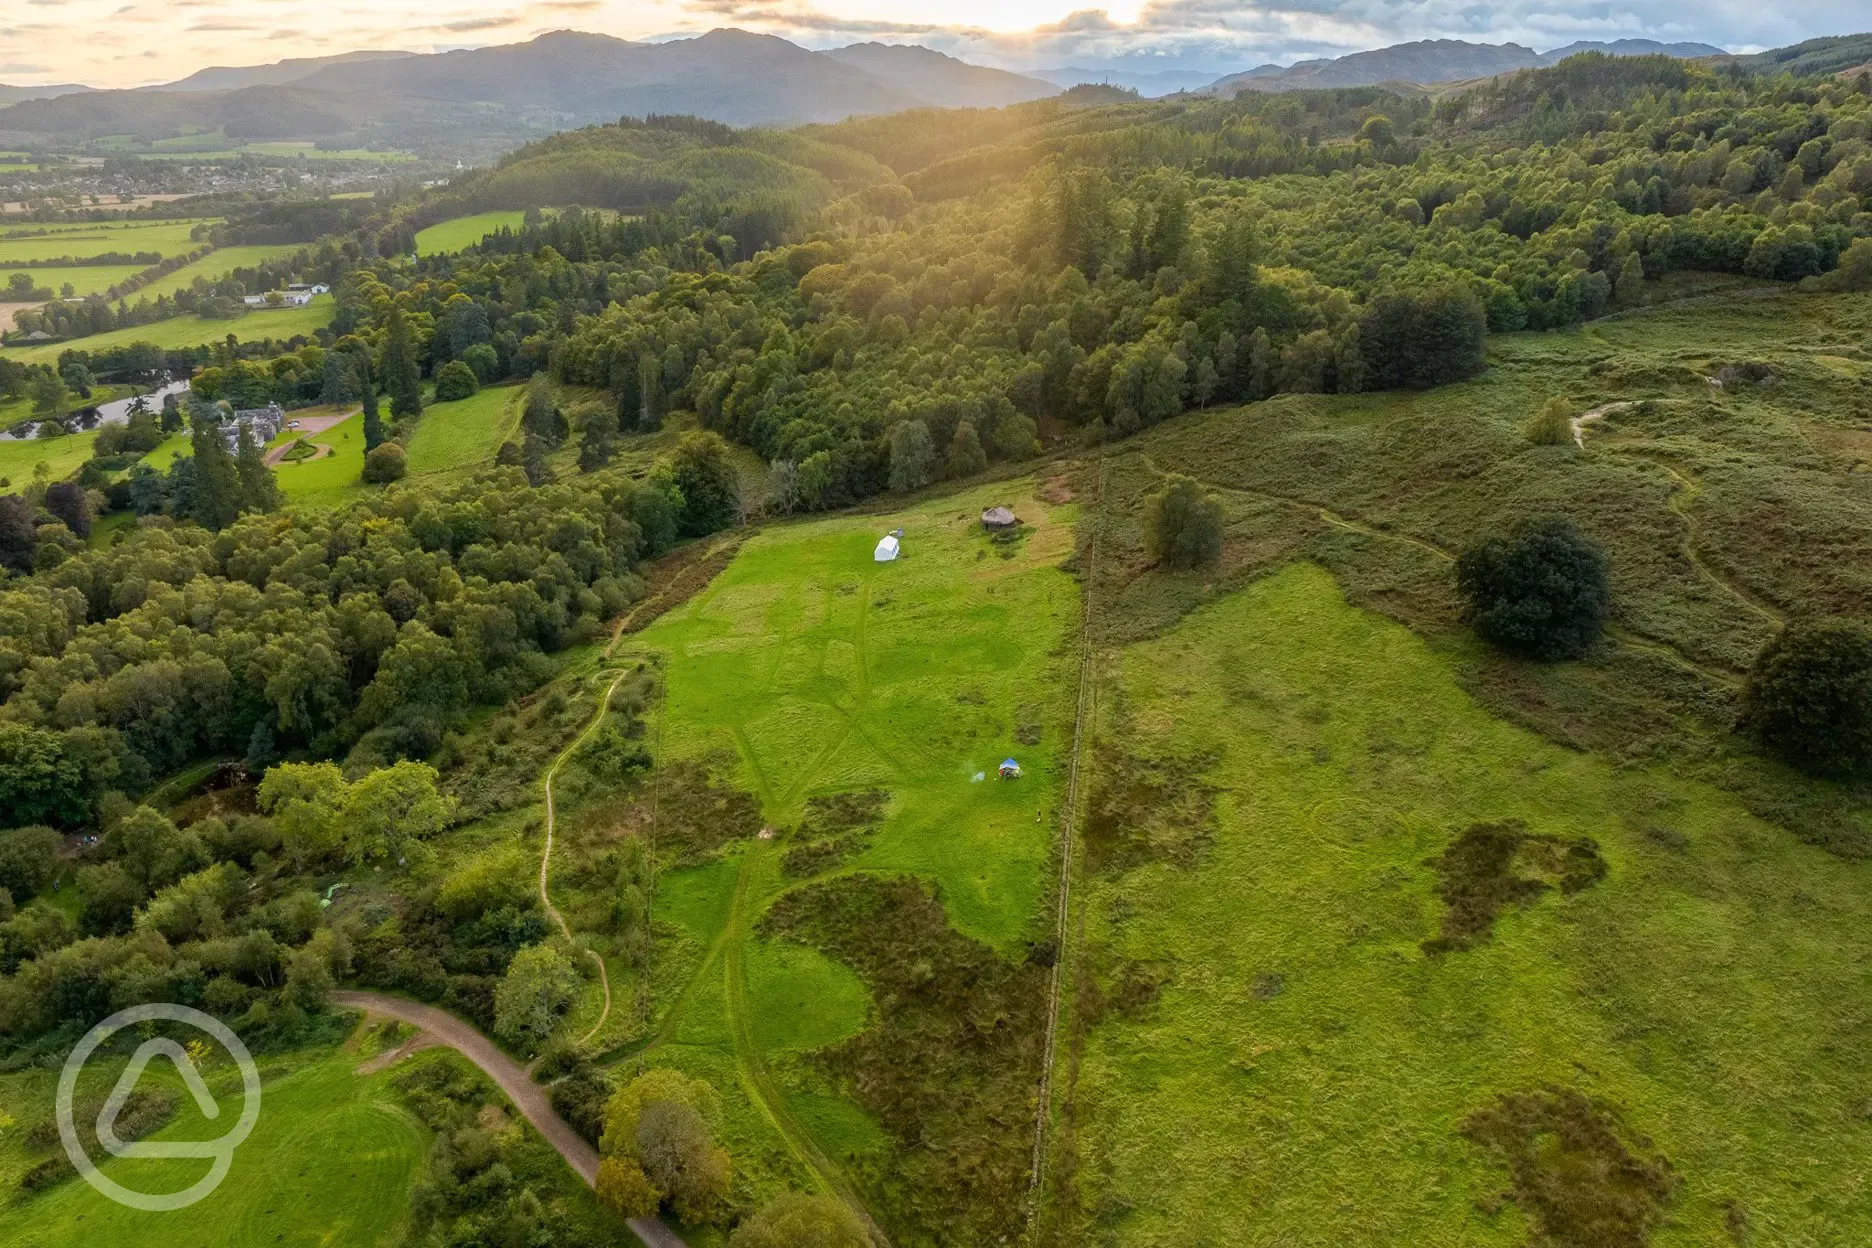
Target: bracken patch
{"points": [[1149, 810], [948, 1069], [1583, 1179], [1495, 865]]}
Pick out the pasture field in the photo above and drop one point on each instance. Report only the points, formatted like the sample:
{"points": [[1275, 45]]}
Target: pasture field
{"points": [[192, 331], [858, 711], [61, 456], [1300, 765], [165, 238], [215, 265], [322, 1129], [85, 279], [464, 436], [464, 232], [332, 1159]]}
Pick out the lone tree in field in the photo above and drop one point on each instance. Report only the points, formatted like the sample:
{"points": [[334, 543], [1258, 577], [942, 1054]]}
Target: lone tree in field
{"points": [[1543, 592], [1183, 525], [1809, 697], [456, 381]]}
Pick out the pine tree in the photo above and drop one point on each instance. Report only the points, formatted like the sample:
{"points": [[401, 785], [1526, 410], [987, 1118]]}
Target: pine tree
{"points": [[402, 376], [258, 489], [373, 420], [533, 458], [214, 497], [1260, 380]]}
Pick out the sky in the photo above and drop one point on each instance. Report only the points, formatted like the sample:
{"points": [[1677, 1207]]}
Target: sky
{"points": [[121, 43]]}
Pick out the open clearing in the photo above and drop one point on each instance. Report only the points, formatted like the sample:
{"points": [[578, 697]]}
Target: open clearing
{"points": [[464, 436], [805, 676], [464, 232], [178, 332], [330, 480]]}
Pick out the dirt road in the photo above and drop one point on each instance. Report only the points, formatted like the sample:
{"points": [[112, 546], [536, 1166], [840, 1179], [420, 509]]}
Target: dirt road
{"points": [[528, 1097]]}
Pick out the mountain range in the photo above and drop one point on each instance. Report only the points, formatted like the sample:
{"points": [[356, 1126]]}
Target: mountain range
{"points": [[1433, 60], [559, 80], [492, 98]]}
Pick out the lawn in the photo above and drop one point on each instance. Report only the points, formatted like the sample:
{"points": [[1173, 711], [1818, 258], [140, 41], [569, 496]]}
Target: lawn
{"points": [[463, 232], [332, 480], [452, 437], [192, 331], [322, 1129], [1304, 1075], [806, 674], [61, 456]]}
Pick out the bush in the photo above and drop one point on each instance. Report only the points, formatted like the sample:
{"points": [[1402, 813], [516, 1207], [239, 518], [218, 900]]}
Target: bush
{"points": [[456, 381], [1809, 697], [1543, 592], [1183, 525], [484, 360], [796, 1220], [386, 464], [1551, 426]]}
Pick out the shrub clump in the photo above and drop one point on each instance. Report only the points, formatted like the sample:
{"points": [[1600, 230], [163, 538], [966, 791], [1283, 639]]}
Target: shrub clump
{"points": [[385, 464], [1809, 697], [456, 381], [1183, 525], [1551, 426], [798, 1220], [1544, 591]]}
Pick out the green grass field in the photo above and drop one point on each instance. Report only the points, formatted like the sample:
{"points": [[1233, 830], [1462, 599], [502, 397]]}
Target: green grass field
{"points": [[807, 671], [215, 265], [463, 232], [192, 331], [322, 1131], [455, 437], [1306, 1047], [332, 480], [166, 238], [61, 456], [85, 279]]}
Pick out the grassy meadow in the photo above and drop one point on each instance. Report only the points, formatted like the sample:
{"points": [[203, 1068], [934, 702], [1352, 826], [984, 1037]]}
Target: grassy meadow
{"points": [[165, 238], [461, 233], [856, 711], [464, 435], [321, 1129], [84, 279], [280, 324], [1300, 1070]]}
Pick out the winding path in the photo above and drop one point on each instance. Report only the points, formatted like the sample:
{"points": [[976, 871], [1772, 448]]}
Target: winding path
{"points": [[512, 1078]]}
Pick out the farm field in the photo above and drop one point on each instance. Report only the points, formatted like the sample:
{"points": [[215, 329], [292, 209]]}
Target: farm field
{"points": [[62, 456], [862, 710], [1307, 763], [85, 279], [192, 331], [165, 238], [215, 265], [463, 232], [463, 436]]}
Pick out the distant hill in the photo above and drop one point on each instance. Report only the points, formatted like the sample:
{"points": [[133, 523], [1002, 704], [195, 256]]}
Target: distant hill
{"points": [[558, 81], [15, 95], [279, 73], [942, 81], [1433, 60], [1632, 47], [1830, 55], [1150, 83]]}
